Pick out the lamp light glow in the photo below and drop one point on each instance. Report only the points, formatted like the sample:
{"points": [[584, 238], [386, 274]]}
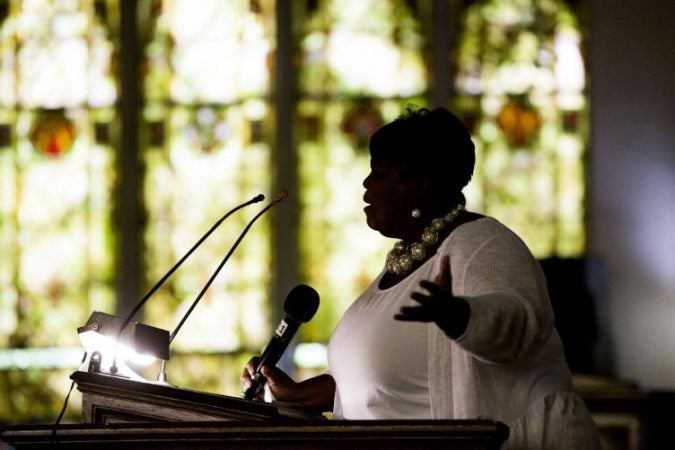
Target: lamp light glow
{"points": [[138, 343]]}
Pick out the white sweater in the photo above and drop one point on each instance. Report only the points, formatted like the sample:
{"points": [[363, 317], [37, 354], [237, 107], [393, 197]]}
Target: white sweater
{"points": [[509, 363]]}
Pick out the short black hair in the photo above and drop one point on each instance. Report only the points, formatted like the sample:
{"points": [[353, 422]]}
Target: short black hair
{"points": [[428, 142]]}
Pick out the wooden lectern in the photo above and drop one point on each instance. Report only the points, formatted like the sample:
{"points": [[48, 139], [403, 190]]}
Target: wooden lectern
{"points": [[108, 399], [127, 414]]}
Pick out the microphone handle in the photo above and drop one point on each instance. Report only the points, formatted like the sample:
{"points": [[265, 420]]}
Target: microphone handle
{"points": [[257, 383], [279, 198], [272, 353], [276, 347]]}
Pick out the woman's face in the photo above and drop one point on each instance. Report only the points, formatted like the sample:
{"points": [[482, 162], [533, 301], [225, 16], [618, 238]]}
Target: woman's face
{"points": [[390, 198]]}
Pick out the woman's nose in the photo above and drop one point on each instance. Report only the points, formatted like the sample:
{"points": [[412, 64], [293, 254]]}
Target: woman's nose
{"points": [[366, 181]]}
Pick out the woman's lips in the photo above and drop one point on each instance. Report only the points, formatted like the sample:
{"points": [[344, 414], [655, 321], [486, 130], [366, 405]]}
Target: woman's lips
{"points": [[368, 202]]}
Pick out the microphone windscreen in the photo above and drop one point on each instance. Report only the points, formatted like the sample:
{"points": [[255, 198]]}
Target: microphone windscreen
{"points": [[301, 303]]}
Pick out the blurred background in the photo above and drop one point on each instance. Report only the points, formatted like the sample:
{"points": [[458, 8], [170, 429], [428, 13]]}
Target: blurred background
{"points": [[127, 128]]}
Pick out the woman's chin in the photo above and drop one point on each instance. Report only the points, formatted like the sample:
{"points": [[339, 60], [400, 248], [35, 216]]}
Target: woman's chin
{"points": [[370, 219]]}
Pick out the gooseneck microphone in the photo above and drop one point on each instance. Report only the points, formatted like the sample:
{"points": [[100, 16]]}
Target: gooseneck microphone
{"points": [[139, 305], [300, 305], [280, 196], [161, 376]]}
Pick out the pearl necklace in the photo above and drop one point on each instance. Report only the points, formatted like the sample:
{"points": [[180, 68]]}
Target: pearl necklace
{"points": [[401, 258]]}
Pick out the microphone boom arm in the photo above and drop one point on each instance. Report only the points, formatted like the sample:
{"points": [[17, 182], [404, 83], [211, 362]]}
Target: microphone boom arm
{"points": [[282, 195]]}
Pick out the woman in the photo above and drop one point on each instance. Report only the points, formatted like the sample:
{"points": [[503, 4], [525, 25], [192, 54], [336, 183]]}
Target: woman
{"points": [[459, 324]]}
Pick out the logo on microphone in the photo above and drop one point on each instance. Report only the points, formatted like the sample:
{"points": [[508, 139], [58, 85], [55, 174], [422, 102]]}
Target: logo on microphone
{"points": [[281, 328]]}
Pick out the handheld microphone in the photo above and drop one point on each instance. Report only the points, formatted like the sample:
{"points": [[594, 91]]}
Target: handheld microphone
{"points": [[127, 320], [300, 306]]}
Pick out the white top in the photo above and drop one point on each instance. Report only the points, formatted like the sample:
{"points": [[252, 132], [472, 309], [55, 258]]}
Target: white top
{"points": [[507, 366], [384, 374]]}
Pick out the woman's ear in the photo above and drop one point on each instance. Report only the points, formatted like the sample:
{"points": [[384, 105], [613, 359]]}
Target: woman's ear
{"points": [[423, 189], [423, 197]]}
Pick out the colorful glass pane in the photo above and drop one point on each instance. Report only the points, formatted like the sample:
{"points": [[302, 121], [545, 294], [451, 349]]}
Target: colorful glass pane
{"points": [[521, 88], [207, 89], [53, 133], [56, 181], [362, 63]]}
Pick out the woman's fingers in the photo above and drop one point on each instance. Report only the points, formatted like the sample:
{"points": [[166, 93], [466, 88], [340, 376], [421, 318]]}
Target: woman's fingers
{"points": [[252, 364], [249, 370], [414, 314], [438, 304], [423, 312], [430, 306], [434, 289], [275, 377], [422, 299]]}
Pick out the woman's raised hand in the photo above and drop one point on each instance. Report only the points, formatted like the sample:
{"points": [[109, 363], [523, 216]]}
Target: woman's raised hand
{"points": [[438, 305]]}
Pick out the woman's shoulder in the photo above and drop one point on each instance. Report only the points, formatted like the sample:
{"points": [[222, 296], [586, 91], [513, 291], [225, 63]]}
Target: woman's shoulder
{"points": [[478, 232], [480, 226]]}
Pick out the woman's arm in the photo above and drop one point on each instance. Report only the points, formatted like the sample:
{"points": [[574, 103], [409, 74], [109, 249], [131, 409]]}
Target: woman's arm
{"points": [[502, 311]]}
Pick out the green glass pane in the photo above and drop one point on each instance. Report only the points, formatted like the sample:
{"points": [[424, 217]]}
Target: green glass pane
{"points": [[521, 90], [57, 173], [214, 53], [365, 47], [36, 396]]}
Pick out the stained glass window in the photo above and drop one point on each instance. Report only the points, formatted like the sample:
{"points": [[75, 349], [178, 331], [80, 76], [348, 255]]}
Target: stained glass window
{"points": [[362, 62], [207, 130], [521, 88], [57, 101], [206, 149]]}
